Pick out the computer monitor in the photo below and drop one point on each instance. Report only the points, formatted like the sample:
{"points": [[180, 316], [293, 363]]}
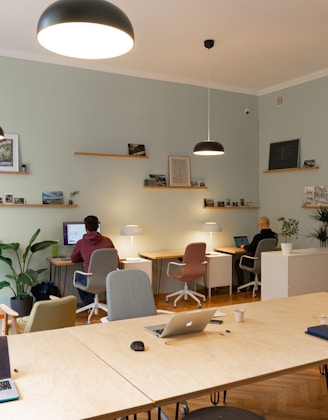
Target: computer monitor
{"points": [[73, 232]]}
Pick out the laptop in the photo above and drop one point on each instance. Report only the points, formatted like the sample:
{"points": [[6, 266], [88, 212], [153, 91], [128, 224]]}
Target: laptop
{"points": [[8, 391], [319, 331], [183, 323], [240, 240]]}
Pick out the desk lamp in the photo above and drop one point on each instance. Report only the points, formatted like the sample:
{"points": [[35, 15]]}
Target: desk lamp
{"points": [[132, 231], [211, 227]]}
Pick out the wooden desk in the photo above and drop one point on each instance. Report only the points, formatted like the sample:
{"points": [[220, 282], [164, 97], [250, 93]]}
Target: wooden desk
{"points": [[236, 253], [56, 265], [59, 378], [270, 343], [157, 258]]}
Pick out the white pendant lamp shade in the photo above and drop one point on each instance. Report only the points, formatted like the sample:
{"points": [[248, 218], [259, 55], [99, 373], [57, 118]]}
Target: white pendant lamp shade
{"points": [[209, 147], [87, 29], [211, 227]]}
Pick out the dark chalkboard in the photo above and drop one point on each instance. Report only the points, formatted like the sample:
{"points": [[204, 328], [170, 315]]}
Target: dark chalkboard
{"points": [[284, 154]]}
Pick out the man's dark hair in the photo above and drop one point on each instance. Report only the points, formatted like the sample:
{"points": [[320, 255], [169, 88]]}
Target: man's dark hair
{"points": [[91, 223]]}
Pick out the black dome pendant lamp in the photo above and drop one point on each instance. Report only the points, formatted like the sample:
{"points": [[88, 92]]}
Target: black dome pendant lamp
{"points": [[87, 29], [209, 147]]}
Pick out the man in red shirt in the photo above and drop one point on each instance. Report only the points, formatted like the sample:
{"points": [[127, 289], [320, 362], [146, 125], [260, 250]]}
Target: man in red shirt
{"points": [[83, 249]]}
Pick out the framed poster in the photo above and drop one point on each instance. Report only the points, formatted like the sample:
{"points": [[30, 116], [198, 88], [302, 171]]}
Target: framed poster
{"points": [[284, 154], [179, 169], [9, 153]]}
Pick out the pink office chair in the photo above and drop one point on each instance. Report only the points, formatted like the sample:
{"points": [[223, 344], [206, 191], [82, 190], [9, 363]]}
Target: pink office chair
{"points": [[193, 267]]}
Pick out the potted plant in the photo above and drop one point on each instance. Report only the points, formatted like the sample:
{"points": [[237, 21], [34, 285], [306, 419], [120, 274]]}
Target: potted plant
{"points": [[289, 228], [321, 233], [22, 276], [71, 195]]}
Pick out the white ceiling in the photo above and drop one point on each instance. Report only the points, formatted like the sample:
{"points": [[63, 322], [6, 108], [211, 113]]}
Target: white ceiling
{"points": [[260, 45]]}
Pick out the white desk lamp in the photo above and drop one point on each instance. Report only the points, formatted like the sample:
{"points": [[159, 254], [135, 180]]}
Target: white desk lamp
{"points": [[211, 227], [132, 231]]}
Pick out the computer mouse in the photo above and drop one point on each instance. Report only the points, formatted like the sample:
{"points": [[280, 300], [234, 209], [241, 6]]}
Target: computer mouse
{"points": [[137, 346]]}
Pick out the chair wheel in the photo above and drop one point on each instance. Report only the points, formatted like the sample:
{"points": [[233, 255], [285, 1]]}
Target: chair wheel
{"points": [[174, 305], [199, 305], [238, 291], [166, 300], [204, 299], [184, 409]]}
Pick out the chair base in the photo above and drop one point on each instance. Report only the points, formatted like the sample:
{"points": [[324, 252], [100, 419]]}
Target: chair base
{"points": [[223, 413], [256, 283], [185, 293], [93, 307]]}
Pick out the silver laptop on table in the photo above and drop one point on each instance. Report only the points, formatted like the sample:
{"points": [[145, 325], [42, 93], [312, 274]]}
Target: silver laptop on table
{"points": [[183, 323], [8, 391]]}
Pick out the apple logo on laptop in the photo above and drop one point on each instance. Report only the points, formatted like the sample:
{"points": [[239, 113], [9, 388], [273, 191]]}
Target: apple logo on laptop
{"points": [[189, 324]]}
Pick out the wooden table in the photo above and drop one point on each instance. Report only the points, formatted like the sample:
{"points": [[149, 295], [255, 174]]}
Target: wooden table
{"points": [[271, 342], [157, 258], [56, 265], [59, 378]]}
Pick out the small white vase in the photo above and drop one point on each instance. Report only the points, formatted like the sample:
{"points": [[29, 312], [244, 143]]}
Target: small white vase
{"points": [[286, 248]]}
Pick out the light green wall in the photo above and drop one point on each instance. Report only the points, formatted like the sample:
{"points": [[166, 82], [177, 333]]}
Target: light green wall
{"points": [[58, 110], [303, 116]]}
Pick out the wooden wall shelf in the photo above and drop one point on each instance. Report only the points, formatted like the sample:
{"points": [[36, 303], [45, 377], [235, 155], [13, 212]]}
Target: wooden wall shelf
{"points": [[40, 205], [231, 207], [109, 155], [14, 173], [314, 207], [310, 168], [174, 188]]}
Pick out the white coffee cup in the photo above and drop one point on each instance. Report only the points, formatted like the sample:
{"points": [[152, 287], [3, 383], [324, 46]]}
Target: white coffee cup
{"points": [[239, 315]]}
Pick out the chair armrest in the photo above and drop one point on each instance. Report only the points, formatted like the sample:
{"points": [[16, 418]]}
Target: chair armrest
{"points": [[52, 297], [173, 263], [80, 272], [9, 315], [248, 257]]}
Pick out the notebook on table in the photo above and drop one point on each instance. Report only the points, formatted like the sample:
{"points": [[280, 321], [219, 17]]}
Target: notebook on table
{"points": [[319, 331], [8, 391], [240, 240], [183, 323]]}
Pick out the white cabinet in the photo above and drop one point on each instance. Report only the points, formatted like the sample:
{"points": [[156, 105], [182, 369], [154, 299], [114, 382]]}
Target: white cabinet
{"points": [[219, 271], [140, 264], [303, 271]]}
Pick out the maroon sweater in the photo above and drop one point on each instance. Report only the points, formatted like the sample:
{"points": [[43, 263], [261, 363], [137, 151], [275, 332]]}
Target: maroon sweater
{"points": [[85, 247]]}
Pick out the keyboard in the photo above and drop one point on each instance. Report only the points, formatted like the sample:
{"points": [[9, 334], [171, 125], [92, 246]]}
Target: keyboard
{"points": [[4, 385]]}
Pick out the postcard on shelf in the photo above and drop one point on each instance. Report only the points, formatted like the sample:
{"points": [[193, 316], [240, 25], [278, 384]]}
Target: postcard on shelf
{"points": [[19, 200], [157, 180], [8, 198], [53, 197], [136, 149], [310, 163]]}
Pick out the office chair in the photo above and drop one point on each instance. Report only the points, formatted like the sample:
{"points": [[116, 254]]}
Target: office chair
{"points": [[129, 295], [45, 315], [253, 264], [193, 267], [102, 262], [222, 412]]}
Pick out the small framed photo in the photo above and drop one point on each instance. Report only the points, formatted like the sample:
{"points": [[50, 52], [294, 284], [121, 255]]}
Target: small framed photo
{"points": [[8, 199], [136, 149], [227, 202], [157, 180], [221, 204], [179, 170], [19, 200], [9, 153], [309, 163], [52, 197], [242, 202], [208, 202]]}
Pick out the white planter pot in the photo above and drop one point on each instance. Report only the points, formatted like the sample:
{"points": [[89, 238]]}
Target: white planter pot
{"points": [[286, 248]]}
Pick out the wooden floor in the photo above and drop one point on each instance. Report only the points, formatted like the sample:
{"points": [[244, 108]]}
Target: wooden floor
{"points": [[297, 396]]}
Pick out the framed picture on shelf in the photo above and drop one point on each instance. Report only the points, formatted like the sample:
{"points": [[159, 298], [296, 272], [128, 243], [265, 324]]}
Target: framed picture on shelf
{"points": [[309, 163], [136, 149], [8, 199], [9, 153], [52, 197], [157, 180], [179, 170], [284, 154], [208, 202], [19, 200]]}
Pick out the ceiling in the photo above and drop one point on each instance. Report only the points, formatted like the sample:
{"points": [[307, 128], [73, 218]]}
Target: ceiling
{"points": [[260, 45]]}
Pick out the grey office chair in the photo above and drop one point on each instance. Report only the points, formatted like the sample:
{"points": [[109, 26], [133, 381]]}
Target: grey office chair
{"points": [[193, 267], [102, 262], [129, 295], [253, 264]]}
